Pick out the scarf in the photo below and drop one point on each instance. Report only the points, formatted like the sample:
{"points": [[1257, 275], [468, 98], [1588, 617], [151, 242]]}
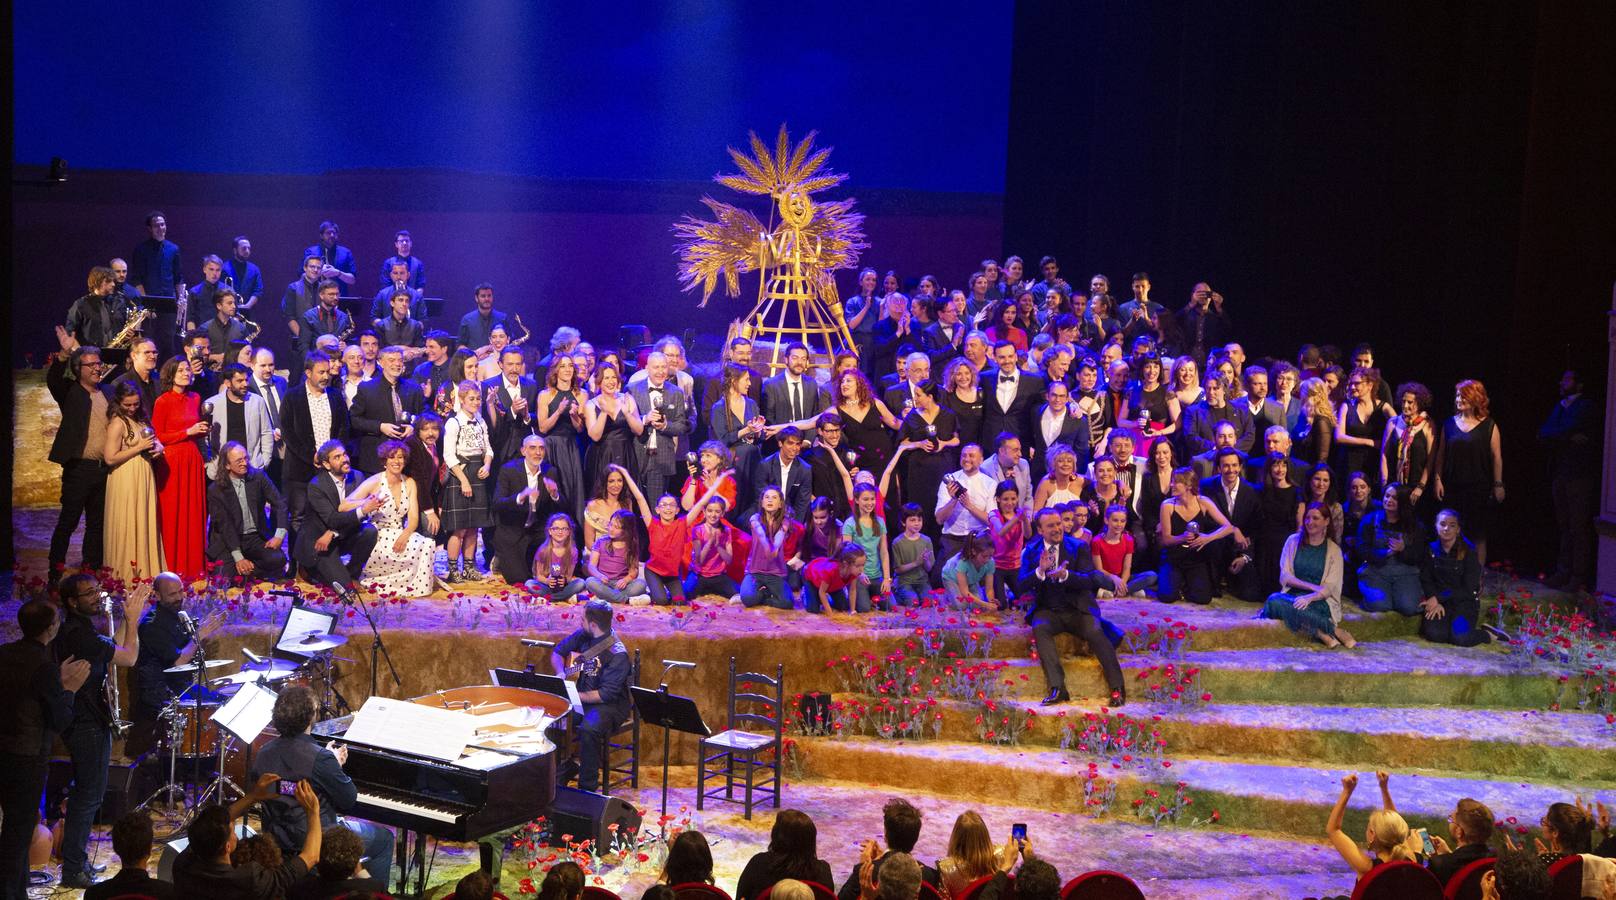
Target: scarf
{"points": [[1404, 443]]}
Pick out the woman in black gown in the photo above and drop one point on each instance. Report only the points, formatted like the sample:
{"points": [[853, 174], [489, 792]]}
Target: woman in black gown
{"points": [[1360, 423], [931, 432], [963, 398], [1470, 464], [615, 422], [1188, 523], [564, 413], [1276, 520], [867, 424], [736, 423], [1155, 486], [1314, 444]]}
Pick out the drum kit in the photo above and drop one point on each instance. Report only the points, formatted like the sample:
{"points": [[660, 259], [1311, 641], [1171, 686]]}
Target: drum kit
{"points": [[186, 730]]}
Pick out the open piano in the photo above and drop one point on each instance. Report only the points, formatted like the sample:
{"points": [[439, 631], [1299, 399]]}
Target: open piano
{"points": [[505, 778]]}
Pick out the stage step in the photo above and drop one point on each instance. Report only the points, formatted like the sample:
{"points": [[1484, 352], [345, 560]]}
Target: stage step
{"points": [[1520, 744], [1292, 799]]}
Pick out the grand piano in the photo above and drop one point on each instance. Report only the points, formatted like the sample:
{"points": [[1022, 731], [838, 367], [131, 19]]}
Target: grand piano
{"points": [[505, 778]]}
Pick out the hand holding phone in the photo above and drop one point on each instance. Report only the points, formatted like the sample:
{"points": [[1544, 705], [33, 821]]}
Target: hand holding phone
{"points": [[1018, 833]]}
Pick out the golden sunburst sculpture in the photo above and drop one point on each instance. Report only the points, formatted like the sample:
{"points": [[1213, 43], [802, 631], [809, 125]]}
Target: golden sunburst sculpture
{"points": [[798, 256]]}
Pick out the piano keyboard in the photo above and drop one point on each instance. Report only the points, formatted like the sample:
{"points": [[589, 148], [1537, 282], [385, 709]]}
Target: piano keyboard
{"points": [[409, 805]]}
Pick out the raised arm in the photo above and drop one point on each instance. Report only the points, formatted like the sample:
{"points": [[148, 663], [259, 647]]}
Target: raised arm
{"points": [[639, 498]]}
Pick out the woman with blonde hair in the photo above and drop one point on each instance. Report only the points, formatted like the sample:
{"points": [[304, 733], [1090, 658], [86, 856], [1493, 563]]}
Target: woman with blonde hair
{"points": [[1316, 424], [970, 854], [1387, 837]]}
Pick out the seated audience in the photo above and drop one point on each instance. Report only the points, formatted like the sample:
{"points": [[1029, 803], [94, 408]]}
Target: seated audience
{"points": [[205, 869], [1519, 876], [1471, 827], [341, 869], [1388, 837], [690, 860], [970, 854], [793, 853], [900, 825], [474, 885], [564, 881], [132, 841]]}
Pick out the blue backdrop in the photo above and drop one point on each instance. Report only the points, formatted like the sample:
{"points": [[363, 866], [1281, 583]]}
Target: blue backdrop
{"points": [[912, 96]]}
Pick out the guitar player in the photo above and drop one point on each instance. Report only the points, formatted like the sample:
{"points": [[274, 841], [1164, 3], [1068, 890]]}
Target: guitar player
{"points": [[599, 661]]}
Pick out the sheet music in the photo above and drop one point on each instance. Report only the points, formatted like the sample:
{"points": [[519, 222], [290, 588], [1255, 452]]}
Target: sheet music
{"points": [[301, 622], [435, 733], [572, 696], [247, 713]]}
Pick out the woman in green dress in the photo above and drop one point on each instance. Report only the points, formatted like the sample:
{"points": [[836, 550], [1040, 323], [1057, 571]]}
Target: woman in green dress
{"points": [[1310, 568]]}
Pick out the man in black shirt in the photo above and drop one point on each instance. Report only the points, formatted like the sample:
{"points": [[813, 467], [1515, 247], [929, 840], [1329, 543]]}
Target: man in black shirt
{"points": [[398, 283], [336, 261], [132, 841], [600, 662], [434, 370], [900, 822], [142, 374], [476, 325], [203, 869], [74, 381], [403, 243], [1471, 825], [168, 637], [36, 706], [89, 737], [98, 316], [295, 755]]}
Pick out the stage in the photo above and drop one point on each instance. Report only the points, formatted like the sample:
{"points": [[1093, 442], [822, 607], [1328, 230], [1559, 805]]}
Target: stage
{"points": [[1241, 767]]}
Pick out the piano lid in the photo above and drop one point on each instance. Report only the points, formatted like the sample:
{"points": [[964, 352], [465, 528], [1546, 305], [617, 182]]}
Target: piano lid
{"points": [[498, 725]]}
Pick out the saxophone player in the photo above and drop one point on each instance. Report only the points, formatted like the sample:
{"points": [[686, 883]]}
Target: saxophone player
{"points": [[225, 326], [99, 315], [89, 737]]}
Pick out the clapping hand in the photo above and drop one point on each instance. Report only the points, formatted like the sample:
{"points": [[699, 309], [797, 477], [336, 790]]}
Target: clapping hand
{"points": [[1349, 783], [74, 672]]}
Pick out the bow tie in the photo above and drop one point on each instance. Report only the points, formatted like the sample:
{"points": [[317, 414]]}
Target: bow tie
{"points": [[1007, 379], [1125, 468]]}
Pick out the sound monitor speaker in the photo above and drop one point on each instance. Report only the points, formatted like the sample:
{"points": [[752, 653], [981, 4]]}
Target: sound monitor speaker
{"points": [[586, 814]]}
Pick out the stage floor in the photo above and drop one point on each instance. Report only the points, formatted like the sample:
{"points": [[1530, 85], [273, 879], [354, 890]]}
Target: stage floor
{"points": [[1281, 723]]}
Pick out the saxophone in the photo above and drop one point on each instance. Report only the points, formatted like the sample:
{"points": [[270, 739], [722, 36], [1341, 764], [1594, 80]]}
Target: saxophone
{"points": [[120, 728], [517, 318], [249, 328], [125, 338]]}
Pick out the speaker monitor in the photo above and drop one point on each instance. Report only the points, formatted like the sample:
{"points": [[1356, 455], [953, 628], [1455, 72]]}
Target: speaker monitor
{"points": [[586, 814]]}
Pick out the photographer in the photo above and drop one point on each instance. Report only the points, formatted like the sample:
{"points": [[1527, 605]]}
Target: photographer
{"points": [[964, 501]]}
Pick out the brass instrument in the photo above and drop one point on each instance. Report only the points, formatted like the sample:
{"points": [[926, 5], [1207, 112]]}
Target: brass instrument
{"points": [[110, 687], [125, 338], [249, 328], [517, 318], [182, 310]]}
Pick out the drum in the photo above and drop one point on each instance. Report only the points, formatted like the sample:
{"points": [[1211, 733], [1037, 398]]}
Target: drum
{"points": [[187, 722]]}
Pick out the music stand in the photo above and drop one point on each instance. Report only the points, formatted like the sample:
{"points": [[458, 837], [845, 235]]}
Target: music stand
{"points": [[673, 713], [243, 718]]}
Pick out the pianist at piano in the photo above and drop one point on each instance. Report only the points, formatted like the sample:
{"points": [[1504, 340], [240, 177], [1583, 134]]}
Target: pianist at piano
{"points": [[600, 662], [295, 755]]}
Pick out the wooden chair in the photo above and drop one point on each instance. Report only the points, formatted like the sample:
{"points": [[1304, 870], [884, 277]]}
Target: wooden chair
{"points": [[699, 890], [1101, 885], [1466, 883], [1398, 881], [752, 750], [1566, 875], [620, 758]]}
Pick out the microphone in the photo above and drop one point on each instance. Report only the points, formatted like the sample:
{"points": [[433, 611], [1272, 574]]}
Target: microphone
{"points": [[188, 622], [678, 664], [253, 657], [281, 592], [535, 642]]}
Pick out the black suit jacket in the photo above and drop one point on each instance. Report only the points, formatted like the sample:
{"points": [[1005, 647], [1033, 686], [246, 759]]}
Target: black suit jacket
{"points": [[297, 431], [895, 395], [776, 403], [1244, 514], [1076, 592], [1074, 433], [1015, 418], [510, 480], [75, 405], [224, 512], [936, 345], [372, 408], [799, 493], [507, 429], [321, 515]]}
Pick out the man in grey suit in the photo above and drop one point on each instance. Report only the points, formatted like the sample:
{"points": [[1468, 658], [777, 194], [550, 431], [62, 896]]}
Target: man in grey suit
{"points": [[1265, 413], [237, 414], [669, 417]]}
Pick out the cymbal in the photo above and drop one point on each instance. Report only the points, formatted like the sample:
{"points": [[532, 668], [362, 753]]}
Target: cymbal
{"points": [[247, 676], [313, 642], [206, 664]]}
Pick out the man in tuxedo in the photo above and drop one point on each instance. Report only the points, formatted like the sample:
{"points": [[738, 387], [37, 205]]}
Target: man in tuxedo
{"points": [[330, 530], [524, 498], [510, 400], [1055, 424], [1276, 440], [1060, 570], [787, 471], [1206, 464], [792, 398], [1008, 393], [266, 384], [1264, 411], [901, 394], [383, 408], [944, 339], [1130, 469], [1236, 498], [669, 418], [314, 414], [239, 533], [301, 296]]}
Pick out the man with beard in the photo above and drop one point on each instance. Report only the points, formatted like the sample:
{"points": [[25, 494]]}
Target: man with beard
{"points": [[334, 525]]}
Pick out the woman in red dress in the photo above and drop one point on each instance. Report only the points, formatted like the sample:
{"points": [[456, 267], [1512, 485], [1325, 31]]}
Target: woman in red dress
{"points": [[182, 500]]}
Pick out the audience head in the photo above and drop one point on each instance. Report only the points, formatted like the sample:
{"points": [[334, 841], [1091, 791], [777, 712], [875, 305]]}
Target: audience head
{"points": [[340, 852], [659, 891], [1518, 875], [1387, 836], [38, 620], [210, 833], [1036, 880], [689, 859], [260, 849], [1471, 823], [791, 889], [900, 820], [1568, 828], [564, 881], [795, 839], [969, 843], [899, 878], [476, 885], [132, 838]]}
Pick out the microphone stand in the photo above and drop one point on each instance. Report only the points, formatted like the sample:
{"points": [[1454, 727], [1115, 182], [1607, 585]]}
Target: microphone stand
{"points": [[376, 645]]}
